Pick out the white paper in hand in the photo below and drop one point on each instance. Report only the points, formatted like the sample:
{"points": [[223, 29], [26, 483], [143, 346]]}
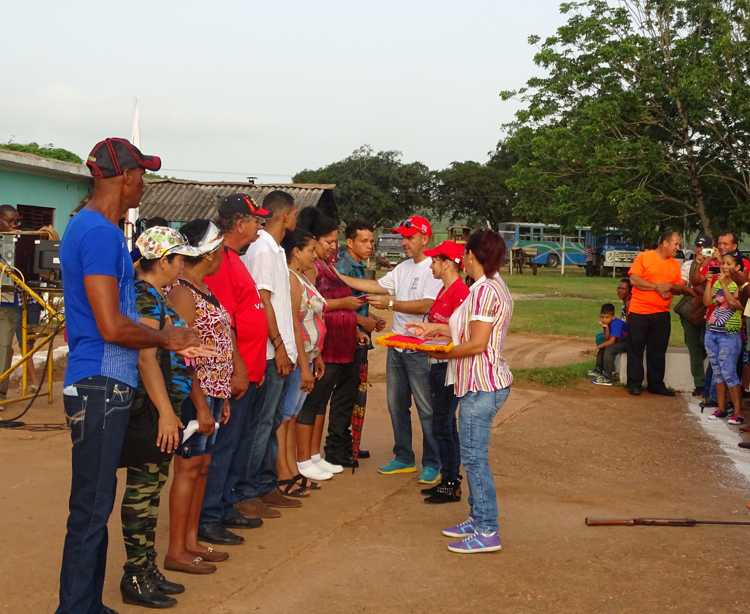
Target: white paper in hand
{"points": [[192, 428]]}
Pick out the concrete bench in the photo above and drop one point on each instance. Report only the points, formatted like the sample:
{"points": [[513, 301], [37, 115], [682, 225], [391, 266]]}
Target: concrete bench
{"points": [[677, 375]]}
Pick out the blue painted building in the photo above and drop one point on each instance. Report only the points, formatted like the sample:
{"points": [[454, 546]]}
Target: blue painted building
{"points": [[44, 191]]}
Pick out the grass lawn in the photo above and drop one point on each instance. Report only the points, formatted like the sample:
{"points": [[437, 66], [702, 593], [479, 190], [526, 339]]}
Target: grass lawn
{"points": [[566, 305]]}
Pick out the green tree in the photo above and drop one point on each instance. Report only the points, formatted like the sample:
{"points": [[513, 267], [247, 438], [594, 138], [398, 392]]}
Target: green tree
{"points": [[476, 193], [641, 117], [45, 151], [376, 186]]}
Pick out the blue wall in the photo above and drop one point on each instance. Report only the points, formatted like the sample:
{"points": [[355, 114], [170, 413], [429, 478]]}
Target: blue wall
{"points": [[63, 193]]}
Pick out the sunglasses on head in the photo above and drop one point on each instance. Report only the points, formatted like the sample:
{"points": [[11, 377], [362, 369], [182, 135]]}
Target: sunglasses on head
{"points": [[407, 224]]}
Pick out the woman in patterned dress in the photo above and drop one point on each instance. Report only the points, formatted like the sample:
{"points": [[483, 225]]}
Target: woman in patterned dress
{"points": [[208, 402], [164, 383]]}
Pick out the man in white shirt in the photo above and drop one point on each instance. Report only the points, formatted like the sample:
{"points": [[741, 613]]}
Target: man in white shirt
{"points": [[409, 289], [266, 261]]}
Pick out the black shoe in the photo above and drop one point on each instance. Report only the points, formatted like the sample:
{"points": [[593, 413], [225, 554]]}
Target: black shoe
{"points": [[364, 454], [744, 444], [432, 490], [236, 520], [138, 589], [216, 534], [634, 390], [663, 391], [447, 492], [698, 392], [165, 586]]}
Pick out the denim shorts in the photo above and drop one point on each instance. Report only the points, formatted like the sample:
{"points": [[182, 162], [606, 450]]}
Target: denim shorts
{"points": [[294, 396], [723, 350], [198, 443]]}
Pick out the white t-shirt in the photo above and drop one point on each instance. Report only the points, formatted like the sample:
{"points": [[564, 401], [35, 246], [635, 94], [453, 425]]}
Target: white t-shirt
{"points": [[410, 281], [266, 261]]}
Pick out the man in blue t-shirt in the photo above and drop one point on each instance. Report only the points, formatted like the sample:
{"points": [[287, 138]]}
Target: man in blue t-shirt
{"points": [[609, 343], [104, 338]]}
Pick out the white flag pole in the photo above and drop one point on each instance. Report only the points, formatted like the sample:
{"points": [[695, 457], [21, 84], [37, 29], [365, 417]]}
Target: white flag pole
{"points": [[135, 138]]}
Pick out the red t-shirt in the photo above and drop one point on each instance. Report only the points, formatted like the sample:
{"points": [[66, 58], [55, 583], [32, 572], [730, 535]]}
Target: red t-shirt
{"points": [[447, 301], [235, 288]]}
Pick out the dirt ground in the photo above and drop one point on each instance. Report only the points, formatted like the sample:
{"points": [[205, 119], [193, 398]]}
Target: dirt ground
{"points": [[367, 543]]}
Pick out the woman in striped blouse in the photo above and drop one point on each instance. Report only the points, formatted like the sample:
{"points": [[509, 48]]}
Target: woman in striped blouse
{"points": [[482, 380]]}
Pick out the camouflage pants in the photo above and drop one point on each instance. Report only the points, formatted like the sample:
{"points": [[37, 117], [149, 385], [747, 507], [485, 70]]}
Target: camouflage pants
{"points": [[140, 510]]}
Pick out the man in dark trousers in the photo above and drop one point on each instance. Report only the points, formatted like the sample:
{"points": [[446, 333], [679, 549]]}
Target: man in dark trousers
{"points": [[104, 338], [655, 277]]}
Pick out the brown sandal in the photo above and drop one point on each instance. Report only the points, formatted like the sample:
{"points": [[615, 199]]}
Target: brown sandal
{"points": [[197, 566], [212, 555]]}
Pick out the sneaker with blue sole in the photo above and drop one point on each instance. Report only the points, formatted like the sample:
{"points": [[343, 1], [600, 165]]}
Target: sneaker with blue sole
{"points": [[474, 544], [393, 467], [430, 476], [462, 529]]}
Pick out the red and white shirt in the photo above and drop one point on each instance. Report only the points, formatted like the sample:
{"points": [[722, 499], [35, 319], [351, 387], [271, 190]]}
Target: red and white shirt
{"points": [[447, 301], [489, 301]]}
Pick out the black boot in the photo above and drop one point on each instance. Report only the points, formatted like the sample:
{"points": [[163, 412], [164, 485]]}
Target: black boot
{"points": [[157, 577], [140, 589], [446, 492]]}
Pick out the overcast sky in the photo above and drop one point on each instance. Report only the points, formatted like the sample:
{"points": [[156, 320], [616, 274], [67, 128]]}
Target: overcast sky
{"points": [[267, 88]]}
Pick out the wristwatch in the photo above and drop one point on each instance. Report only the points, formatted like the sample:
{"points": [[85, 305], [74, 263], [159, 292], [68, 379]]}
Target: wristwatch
{"points": [[390, 304]]}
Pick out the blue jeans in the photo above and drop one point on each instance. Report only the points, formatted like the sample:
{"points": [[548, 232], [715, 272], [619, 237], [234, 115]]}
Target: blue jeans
{"points": [[97, 410], [260, 470], [444, 406], [227, 449], [724, 351], [478, 409], [408, 374]]}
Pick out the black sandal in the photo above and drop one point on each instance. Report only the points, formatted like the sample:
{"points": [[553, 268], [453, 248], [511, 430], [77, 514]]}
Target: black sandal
{"points": [[290, 488], [307, 483]]}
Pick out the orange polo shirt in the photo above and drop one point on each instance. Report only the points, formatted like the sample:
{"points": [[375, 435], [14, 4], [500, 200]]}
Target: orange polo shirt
{"points": [[650, 266]]}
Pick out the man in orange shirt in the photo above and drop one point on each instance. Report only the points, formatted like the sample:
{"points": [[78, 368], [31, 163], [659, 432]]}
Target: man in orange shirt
{"points": [[655, 277]]}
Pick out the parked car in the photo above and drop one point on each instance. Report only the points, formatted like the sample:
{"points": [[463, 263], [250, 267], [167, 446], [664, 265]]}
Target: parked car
{"points": [[389, 250]]}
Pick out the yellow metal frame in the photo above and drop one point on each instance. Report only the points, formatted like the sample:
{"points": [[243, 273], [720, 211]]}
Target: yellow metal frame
{"points": [[56, 324]]}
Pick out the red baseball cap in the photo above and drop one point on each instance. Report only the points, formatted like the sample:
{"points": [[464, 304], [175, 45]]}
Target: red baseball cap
{"points": [[447, 249], [241, 204], [112, 156], [413, 225]]}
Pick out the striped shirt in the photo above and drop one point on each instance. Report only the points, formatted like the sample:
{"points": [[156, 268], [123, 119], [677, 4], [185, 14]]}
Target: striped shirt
{"points": [[489, 301]]}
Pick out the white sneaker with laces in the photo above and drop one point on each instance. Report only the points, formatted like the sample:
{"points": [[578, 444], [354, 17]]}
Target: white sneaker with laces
{"points": [[313, 472], [328, 467]]}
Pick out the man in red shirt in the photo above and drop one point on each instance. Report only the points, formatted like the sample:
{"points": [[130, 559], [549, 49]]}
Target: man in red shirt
{"points": [[655, 277], [239, 218]]}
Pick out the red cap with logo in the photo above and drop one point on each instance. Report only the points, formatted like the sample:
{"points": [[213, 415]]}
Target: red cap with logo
{"points": [[413, 225], [447, 249]]}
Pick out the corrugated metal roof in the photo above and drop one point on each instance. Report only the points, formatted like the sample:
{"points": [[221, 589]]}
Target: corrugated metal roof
{"points": [[180, 200]]}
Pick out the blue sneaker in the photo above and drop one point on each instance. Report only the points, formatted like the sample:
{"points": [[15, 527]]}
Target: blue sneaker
{"points": [[430, 476], [476, 543], [394, 467], [462, 529]]}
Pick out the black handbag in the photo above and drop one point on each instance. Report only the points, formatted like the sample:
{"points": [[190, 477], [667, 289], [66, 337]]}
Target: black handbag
{"points": [[140, 439]]}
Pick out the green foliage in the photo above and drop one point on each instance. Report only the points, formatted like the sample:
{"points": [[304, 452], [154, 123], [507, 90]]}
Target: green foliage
{"points": [[556, 377], [476, 193], [641, 117], [378, 187], [46, 151]]}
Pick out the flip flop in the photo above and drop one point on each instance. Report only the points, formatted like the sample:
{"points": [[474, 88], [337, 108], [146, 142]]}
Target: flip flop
{"points": [[307, 483]]}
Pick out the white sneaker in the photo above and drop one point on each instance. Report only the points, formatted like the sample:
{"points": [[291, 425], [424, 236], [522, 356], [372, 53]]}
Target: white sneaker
{"points": [[314, 472], [329, 467]]}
